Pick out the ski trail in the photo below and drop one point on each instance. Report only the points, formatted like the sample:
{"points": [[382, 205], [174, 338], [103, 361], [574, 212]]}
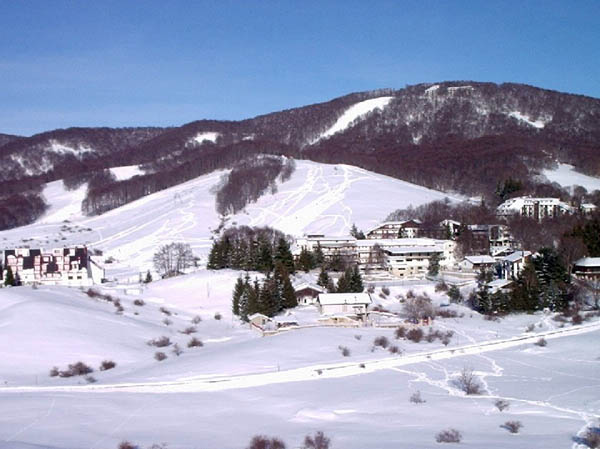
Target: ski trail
{"points": [[33, 423]]}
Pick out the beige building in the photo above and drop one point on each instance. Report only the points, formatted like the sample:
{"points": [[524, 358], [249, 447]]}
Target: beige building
{"points": [[343, 303]]}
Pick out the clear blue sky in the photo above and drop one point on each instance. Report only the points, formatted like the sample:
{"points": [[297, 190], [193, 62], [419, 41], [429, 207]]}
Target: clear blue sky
{"points": [[129, 63]]}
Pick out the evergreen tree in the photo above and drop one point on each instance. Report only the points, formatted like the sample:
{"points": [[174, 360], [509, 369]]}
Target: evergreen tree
{"points": [[269, 300], [288, 295], [525, 294], [434, 265], [454, 294], [238, 291], [325, 281], [17, 280], [148, 278], [284, 255], [343, 285], [306, 260], [253, 300], [356, 283], [354, 232], [265, 257], [215, 259], [318, 256], [9, 279]]}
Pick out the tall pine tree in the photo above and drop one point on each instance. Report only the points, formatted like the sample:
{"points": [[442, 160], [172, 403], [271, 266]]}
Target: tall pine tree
{"points": [[284, 255]]}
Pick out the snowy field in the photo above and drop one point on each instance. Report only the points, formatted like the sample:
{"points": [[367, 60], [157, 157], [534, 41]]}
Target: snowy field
{"points": [[287, 385], [566, 176], [318, 198]]}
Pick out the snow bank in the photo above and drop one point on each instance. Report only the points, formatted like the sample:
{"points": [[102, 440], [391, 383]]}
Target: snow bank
{"points": [[566, 176], [126, 172], [209, 136], [539, 123]]}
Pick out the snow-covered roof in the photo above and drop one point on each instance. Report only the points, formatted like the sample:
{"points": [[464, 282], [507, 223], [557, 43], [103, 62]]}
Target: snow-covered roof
{"points": [[303, 285], [258, 315], [480, 259], [498, 283], [589, 206], [344, 298], [588, 262], [399, 242], [517, 255]]}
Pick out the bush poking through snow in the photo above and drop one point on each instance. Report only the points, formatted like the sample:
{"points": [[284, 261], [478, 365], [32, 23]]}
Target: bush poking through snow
{"points": [[358, 337], [501, 404], [394, 349], [512, 426], [197, 319], [344, 350], [446, 313], [415, 334], [167, 322], [418, 308], [362, 365], [160, 356], [448, 436], [385, 291], [381, 341], [264, 442], [90, 379], [128, 445], [541, 342], [468, 382], [165, 311], [189, 330], [441, 287], [139, 302], [76, 369], [107, 364], [591, 437], [319, 441], [160, 342], [416, 398], [400, 332], [218, 316], [530, 328], [54, 371], [195, 343], [577, 319]]}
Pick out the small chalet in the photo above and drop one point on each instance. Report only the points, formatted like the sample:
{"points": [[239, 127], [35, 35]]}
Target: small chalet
{"points": [[587, 268], [476, 263], [307, 293], [260, 322], [502, 285], [343, 303], [513, 264]]}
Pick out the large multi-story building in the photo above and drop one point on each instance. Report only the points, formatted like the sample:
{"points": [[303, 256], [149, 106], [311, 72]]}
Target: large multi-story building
{"points": [[59, 266], [395, 229], [536, 208]]}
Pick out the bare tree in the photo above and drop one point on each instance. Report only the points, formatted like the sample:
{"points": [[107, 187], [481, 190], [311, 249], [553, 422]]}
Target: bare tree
{"points": [[319, 441], [592, 286], [173, 258], [264, 442], [419, 308], [468, 382]]}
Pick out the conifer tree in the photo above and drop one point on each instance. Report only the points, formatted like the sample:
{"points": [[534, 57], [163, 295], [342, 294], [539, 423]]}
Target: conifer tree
{"points": [[306, 260], [343, 284], [434, 265], [323, 279], [253, 301], [356, 283], [148, 278], [284, 255], [318, 256], [238, 291], [214, 257], [9, 279], [265, 257]]}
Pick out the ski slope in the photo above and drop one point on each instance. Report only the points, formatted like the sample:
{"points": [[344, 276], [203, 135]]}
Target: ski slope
{"points": [[567, 176], [318, 198]]}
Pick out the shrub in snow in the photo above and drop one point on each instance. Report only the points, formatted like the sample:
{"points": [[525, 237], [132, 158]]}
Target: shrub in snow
{"points": [[448, 436], [195, 343], [319, 441], [577, 319], [410, 294], [371, 289], [139, 302], [177, 350], [400, 332], [415, 334], [218, 316], [197, 319], [189, 330], [160, 342], [441, 287], [90, 379], [54, 371], [394, 349], [385, 291], [446, 313], [591, 437], [381, 341], [468, 382], [167, 322], [416, 398], [418, 308], [362, 365], [160, 356], [127, 445], [501, 404], [165, 311], [76, 369], [264, 442], [107, 364], [541, 342], [530, 328], [512, 426], [358, 337], [344, 350]]}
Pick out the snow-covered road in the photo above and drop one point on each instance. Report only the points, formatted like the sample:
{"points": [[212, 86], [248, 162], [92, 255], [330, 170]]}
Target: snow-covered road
{"points": [[336, 370]]}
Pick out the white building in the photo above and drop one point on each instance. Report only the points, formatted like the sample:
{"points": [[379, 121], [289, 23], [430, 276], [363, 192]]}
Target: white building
{"points": [[395, 229], [343, 303], [588, 208], [587, 268], [59, 266], [409, 258], [476, 263], [513, 264], [307, 293], [537, 208]]}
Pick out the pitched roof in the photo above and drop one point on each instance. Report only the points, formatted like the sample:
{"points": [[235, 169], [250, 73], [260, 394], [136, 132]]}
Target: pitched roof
{"points": [[344, 298], [303, 285], [517, 255], [588, 262], [480, 259]]}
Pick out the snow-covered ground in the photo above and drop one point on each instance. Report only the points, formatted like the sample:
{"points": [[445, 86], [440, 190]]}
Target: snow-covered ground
{"points": [[286, 385], [567, 176], [354, 113], [318, 198]]}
